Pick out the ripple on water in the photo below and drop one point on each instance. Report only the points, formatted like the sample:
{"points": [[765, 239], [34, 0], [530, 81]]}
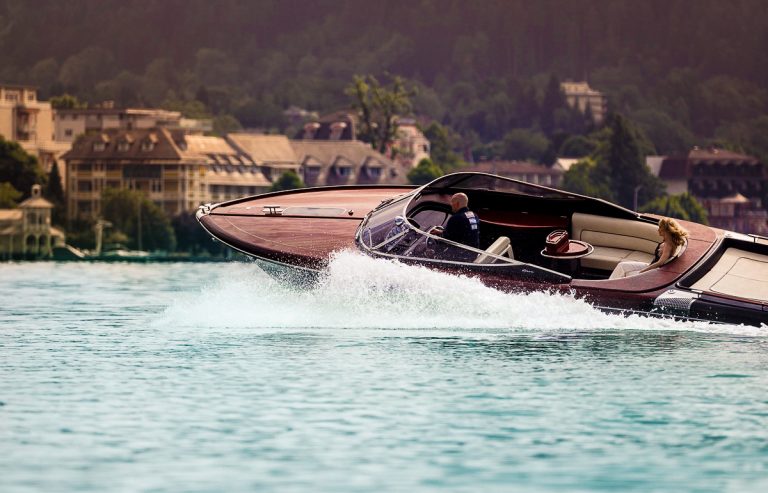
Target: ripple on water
{"points": [[381, 378]]}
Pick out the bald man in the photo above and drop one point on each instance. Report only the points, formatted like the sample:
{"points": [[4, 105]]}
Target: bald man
{"points": [[463, 226]]}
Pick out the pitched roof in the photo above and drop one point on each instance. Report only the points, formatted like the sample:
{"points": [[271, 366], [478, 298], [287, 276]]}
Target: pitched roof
{"points": [[330, 151], [36, 203], [674, 168], [11, 214], [719, 155], [264, 149], [128, 145], [736, 198]]}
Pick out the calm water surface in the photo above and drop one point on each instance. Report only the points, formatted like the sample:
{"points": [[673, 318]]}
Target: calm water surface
{"points": [[211, 377]]}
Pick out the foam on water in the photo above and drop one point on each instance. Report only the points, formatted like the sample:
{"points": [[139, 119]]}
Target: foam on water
{"points": [[360, 292]]}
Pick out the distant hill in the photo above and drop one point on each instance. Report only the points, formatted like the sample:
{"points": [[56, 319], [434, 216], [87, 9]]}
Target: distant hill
{"points": [[686, 70]]}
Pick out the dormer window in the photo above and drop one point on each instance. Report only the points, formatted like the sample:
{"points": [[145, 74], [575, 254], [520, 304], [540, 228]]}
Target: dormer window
{"points": [[343, 171], [123, 146], [99, 146], [148, 144], [374, 172]]}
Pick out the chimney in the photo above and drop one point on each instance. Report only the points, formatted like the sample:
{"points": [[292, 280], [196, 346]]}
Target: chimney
{"points": [[310, 129]]}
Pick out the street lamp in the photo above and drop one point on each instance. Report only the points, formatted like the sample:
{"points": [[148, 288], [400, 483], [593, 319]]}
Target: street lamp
{"points": [[637, 189]]}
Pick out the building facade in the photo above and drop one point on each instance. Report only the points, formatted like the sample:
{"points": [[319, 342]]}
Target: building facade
{"points": [[580, 95], [176, 170], [538, 174], [71, 123], [26, 232], [319, 162], [731, 186], [406, 150], [29, 122]]}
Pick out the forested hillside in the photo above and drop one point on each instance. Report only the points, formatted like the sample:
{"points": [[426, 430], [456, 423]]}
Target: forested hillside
{"points": [[685, 71]]}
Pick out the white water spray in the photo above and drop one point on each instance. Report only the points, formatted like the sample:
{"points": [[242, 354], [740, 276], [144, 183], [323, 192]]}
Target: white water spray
{"points": [[359, 292]]}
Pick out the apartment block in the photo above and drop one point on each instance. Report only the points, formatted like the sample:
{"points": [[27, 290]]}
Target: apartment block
{"points": [[176, 170]]}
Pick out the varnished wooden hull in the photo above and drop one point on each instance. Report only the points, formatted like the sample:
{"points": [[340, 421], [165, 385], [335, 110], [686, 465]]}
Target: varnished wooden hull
{"points": [[314, 223]]}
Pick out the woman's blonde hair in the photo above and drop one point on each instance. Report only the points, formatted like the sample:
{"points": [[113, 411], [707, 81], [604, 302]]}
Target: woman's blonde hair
{"points": [[677, 232]]}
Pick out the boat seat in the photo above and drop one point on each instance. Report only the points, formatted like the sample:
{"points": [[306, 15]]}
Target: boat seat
{"points": [[502, 246], [615, 240]]}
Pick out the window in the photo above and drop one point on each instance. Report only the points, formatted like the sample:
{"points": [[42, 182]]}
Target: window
{"points": [[123, 146], [343, 171], [84, 186], [86, 167], [99, 146], [68, 132]]}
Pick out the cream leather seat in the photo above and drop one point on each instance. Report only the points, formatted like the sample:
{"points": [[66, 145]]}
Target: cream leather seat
{"points": [[502, 246]]}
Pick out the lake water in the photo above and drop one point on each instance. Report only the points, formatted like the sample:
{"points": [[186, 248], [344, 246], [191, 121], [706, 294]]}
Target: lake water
{"points": [[214, 377]]}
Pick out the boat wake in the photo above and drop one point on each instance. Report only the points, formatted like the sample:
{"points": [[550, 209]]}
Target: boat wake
{"points": [[359, 292]]}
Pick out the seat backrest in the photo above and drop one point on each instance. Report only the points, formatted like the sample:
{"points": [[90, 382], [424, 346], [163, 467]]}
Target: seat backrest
{"points": [[615, 233], [502, 246]]}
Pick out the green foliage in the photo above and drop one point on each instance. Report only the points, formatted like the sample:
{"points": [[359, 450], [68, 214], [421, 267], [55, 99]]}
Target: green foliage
{"points": [[378, 107], [577, 146], [225, 124], [621, 165], [683, 82], [442, 145], [585, 178], [9, 196], [18, 168], [521, 144], [54, 192], [287, 181], [554, 99], [683, 206], [140, 219], [66, 102], [191, 238], [424, 172]]}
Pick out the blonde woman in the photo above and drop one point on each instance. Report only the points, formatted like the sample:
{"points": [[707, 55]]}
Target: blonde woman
{"points": [[673, 235]]}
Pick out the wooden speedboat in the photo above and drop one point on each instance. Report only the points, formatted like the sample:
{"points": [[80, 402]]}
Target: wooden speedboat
{"points": [[718, 275]]}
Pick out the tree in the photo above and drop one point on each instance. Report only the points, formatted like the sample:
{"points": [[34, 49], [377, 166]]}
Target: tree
{"points": [[553, 99], [18, 168], [584, 178], [577, 146], [441, 145], [378, 107], [224, 124], [140, 219], [522, 144], [287, 181], [622, 161], [9, 196], [683, 206], [67, 102], [424, 172], [55, 194], [190, 237]]}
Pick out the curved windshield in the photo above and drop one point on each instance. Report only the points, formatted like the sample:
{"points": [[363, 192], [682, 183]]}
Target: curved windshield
{"points": [[486, 182], [388, 232]]}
